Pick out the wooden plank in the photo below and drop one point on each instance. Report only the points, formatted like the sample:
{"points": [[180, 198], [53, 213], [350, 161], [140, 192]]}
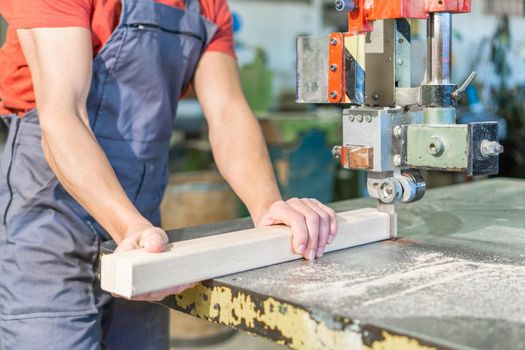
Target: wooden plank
{"points": [[134, 273]]}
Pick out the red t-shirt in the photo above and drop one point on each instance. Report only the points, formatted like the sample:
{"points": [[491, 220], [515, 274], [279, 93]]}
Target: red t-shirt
{"points": [[99, 16]]}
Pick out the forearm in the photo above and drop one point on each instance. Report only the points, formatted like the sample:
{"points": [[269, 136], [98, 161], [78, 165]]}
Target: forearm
{"points": [[242, 157], [85, 172]]}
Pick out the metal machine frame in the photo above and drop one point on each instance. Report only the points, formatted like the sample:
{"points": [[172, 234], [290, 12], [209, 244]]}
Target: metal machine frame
{"points": [[390, 128]]}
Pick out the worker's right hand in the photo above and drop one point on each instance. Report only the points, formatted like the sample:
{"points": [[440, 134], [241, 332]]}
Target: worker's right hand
{"points": [[154, 240], [313, 224]]}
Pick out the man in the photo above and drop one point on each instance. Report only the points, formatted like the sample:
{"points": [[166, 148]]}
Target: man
{"points": [[89, 89]]}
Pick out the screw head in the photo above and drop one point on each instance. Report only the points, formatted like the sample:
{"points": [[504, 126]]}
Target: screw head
{"points": [[333, 67], [436, 147], [334, 41], [397, 160], [333, 94], [337, 152], [389, 190], [375, 96], [398, 131]]}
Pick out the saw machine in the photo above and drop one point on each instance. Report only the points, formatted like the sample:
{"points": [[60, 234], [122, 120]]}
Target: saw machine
{"points": [[392, 129]]}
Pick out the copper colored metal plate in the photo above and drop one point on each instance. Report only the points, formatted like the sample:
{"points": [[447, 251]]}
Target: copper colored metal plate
{"points": [[358, 157]]}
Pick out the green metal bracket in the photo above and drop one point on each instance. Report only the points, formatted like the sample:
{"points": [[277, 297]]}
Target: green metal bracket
{"points": [[438, 147]]}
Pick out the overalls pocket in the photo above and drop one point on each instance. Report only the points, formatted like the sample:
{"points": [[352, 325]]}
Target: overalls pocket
{"points": [[6, 165], [28, 174]]}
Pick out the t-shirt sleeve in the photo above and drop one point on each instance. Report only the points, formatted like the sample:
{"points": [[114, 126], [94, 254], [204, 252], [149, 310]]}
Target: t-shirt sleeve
{"points": [[46, 13], [220, 15]]}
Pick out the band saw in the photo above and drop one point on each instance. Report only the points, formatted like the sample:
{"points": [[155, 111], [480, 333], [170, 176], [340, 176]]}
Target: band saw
{"points": [[392, 129]]}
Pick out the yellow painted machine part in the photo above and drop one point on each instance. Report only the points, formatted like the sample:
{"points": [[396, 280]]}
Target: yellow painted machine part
{"points": [[296, 326], [397, 342]]}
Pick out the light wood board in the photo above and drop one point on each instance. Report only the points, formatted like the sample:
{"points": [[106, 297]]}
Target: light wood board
{"points": [[138, 272]]}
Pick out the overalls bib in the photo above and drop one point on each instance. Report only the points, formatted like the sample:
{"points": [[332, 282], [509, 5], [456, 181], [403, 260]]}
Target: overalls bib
{"points": [[49, 295]]}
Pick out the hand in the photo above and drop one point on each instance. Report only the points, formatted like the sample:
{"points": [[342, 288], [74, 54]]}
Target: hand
{"points": [[313, 224], [154, 240]]}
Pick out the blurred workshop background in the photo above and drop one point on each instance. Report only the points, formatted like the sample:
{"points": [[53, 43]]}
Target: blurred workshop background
{"points": [[300, 137]]}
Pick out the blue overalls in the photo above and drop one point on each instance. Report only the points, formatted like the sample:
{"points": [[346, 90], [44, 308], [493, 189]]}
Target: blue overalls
{"points": [[49, 295]]}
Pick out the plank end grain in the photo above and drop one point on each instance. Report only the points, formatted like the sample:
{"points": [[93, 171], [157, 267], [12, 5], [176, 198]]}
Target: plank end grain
{"points": [[137, 272]]}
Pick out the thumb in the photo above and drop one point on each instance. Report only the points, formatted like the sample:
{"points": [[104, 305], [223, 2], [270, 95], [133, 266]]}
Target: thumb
{"points": [[155, 240]]}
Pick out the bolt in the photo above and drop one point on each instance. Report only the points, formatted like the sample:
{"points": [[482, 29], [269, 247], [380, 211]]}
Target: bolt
{"points": [[397, 160], [345, 5], [389, 59], [334, 41], [337, 152], [398, 131], [375, 96], [368, 118], [387, 191], [491, 148], [333, 95], [339, 5], [333, 67], [436, 147], [359, 118]]}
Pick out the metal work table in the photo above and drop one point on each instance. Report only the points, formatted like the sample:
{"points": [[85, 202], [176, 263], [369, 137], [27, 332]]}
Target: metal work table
{"points": [[454, 280]]}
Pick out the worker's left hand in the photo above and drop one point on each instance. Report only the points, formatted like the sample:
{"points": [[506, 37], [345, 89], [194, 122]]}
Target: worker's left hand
{"points": [[154, 240], [313, 224]]}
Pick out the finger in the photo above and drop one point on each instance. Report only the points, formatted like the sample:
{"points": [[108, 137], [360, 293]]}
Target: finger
{"points": [[312, 222], [154, 240], [324, 226], [333, 220], [283, 212]]}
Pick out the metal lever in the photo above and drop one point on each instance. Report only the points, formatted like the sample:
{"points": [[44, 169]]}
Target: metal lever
{"points": [[456, 95]]}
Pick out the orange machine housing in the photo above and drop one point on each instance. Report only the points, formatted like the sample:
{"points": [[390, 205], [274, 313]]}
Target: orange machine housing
{"points": [[360, 20]]}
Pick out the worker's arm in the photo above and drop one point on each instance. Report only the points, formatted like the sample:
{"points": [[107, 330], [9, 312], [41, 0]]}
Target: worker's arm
{"points": [[242, 157], [60, 60]]}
